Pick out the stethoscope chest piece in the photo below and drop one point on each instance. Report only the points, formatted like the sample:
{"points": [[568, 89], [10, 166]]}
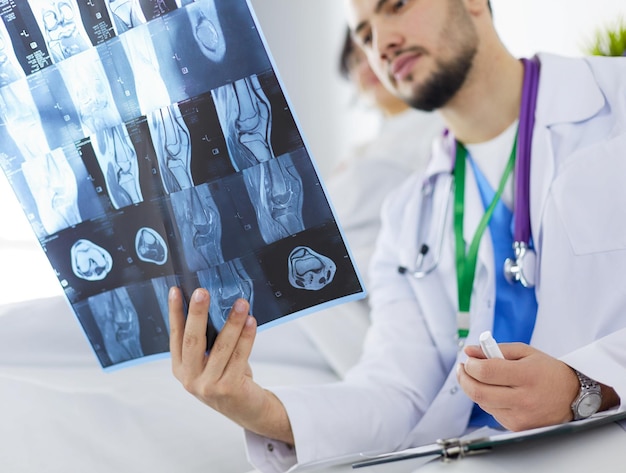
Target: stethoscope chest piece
{"points": [[522, 268]]}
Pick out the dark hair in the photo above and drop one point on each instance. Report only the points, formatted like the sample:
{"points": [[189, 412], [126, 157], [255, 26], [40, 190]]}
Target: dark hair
{"points": [[347, 50]]}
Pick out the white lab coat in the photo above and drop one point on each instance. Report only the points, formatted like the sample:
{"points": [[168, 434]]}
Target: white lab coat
{"points": [[404, 391]]}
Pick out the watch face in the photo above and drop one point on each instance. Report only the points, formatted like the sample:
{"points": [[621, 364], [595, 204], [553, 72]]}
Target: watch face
{"points": [[589, 404]]}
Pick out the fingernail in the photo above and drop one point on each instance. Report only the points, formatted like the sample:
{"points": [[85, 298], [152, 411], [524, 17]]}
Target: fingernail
{"points": [[240, 305], [172, 293], [199, 295]]}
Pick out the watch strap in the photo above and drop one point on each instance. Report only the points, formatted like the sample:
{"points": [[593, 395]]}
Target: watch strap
{"points": [[587, 386]]}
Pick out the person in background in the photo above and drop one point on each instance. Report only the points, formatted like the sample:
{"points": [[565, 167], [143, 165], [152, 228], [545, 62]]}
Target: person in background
{"points": [[358, 186], [561, 313]]}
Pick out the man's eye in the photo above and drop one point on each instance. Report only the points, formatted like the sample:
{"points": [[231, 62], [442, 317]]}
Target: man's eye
{"points": [[363, 38], [398, 5]]}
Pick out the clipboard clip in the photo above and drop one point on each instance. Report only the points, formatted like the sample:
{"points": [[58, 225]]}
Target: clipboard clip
{"points": [[453, 449]]}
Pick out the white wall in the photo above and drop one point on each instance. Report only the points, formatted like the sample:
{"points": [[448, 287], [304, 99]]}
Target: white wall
{"points": [[304, 37], [559, 26]]}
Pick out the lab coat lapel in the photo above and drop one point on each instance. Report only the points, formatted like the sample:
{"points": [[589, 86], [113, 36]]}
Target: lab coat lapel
{"points": [[555, 104], [441, 162]]}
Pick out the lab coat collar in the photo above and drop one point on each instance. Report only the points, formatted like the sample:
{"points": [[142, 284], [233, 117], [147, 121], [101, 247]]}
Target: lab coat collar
{"points": [[441, 160], [555, 104]]}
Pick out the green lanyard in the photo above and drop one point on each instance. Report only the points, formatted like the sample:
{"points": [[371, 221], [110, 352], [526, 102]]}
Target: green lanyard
{"points": [[466, 262]]}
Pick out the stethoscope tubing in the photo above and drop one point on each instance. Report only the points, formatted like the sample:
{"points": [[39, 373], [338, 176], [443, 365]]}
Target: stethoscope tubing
{"points": [[521, 216]]}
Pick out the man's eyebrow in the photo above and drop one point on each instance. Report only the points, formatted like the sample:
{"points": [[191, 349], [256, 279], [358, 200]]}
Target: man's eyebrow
{"points": [[379, 6]]}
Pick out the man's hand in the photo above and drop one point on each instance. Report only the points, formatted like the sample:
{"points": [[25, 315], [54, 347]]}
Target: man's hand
{"points": [[222, 379], [526, 390]]}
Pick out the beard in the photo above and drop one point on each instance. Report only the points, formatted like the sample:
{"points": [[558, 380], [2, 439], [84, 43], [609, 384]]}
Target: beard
{"points": [[450, 74], [442, 85]]}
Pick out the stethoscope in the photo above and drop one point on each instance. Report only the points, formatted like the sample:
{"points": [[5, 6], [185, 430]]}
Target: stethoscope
{"points": [[520, 268]]}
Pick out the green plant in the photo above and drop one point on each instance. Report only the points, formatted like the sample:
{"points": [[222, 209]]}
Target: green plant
{"points": [[610, 41]]}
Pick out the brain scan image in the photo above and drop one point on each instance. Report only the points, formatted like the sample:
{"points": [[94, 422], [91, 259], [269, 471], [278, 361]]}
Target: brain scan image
{"points": [[90, 261], [150, 246], [310, 270]]}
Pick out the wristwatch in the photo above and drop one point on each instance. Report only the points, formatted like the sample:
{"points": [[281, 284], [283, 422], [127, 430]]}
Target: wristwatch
{"points": [[589, 398]]}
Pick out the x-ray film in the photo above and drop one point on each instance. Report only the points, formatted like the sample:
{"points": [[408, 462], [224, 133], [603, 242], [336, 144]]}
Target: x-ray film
{"points": [[151, 144]]}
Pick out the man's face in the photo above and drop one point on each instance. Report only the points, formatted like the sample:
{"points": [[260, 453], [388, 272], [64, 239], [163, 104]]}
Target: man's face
{"points": [[421, 49]]}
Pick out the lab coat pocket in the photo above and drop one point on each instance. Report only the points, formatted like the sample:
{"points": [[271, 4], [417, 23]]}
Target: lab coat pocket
{"points": [[590, 195]]}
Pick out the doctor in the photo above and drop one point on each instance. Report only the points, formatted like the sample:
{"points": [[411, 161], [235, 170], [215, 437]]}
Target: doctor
{"points": [[414, 382]]}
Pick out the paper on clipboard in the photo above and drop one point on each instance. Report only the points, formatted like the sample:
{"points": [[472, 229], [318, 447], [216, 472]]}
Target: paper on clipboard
{"points": [[455, 448]]}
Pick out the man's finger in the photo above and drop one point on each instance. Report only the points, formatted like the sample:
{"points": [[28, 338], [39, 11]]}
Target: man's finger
{"points": [[488, 371], [241, 354], [488, 396], [177, 325], [516, 351], [474, 351], [228, 339], [194, 342]]}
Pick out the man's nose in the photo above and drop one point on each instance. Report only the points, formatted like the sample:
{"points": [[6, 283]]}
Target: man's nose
{"points": [[386, 42]]}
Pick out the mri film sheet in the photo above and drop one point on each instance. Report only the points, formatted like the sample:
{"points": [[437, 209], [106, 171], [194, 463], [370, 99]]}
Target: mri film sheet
{"points": [[151, 144]]}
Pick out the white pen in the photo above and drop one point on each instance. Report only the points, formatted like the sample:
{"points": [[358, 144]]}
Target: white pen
{"points": [[489, 345]]}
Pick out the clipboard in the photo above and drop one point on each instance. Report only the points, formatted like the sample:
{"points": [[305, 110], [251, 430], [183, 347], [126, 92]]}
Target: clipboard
{"points": [[457, 448]]}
